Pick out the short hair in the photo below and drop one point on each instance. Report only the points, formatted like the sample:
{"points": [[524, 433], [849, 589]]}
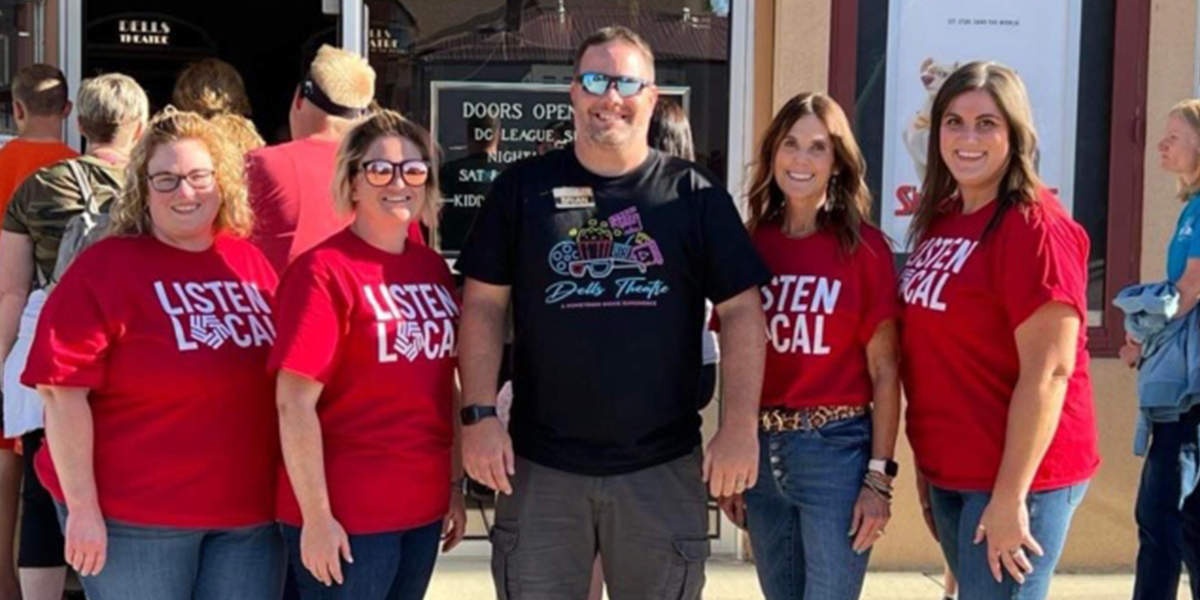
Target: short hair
{"points": [[615, 33], [131, 214], [345, 77], [41, 89], [211, 87], [670, 130], [108, 102], [382, 124]]}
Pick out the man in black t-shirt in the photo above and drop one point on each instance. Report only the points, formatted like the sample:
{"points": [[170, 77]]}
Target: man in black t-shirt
{"points": [[607, 251]]}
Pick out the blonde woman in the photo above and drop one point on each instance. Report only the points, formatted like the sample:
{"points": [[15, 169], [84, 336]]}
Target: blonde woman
{"points": [[995, 362], [112, 110], [1168, 509], [366, 365], [151, 357]]}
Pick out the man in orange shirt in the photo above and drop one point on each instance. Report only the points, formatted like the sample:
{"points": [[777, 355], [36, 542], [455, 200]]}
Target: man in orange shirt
{"points": [[40, 105]]}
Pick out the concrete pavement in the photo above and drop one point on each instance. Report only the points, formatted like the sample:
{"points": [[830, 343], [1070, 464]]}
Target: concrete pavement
{"points": [[469, 579]]}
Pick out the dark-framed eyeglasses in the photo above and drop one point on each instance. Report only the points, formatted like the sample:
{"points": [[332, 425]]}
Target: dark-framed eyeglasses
{"points": [[199, 180], [597, 84], [381, 173]]}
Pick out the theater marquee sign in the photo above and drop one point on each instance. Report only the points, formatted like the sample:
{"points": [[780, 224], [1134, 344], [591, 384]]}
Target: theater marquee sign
{"points": [[131, 31]]}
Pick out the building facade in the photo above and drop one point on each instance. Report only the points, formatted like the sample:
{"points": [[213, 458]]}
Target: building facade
{"points": [[489, 76]]}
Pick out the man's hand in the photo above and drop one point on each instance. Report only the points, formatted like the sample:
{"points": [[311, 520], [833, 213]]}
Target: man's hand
{"points": [[488, 454], [731, 462]]}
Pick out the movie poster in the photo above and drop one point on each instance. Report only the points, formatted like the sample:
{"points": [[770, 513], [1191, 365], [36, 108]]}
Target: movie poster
{"points": [[929, 39]]}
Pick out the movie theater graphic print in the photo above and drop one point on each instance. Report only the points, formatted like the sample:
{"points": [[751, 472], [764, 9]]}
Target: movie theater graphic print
{"points": [[607, 263]]}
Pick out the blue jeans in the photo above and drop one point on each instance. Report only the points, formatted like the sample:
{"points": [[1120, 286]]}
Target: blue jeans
{"points": [[1168, 512], [799, 511], [396, 565], [957, 516], [166, 563]]}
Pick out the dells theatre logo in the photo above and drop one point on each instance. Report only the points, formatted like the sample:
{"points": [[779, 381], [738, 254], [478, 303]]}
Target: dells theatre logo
{"points": [[597, 259]]}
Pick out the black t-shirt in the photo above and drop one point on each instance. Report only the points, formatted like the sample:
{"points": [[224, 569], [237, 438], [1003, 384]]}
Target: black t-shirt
{"points": [[609, 278]]}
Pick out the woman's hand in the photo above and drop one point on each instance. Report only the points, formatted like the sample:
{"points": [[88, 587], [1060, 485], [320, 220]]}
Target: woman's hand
{"points": [[1130, 354], [871, 514], [86, 538], [323, 543], [1005, 526], [455, 525], [734, 508]]}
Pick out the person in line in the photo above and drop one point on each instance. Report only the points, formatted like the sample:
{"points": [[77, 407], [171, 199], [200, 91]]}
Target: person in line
{"points": [[40, 105], [290, 183], [671, 133], [151, 355], [607, 250], [112, 111], [372, 479], [831, 394], [214, 89], [994, 343], [1168, 509]]}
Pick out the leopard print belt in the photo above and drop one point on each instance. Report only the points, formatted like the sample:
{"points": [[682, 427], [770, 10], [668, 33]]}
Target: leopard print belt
{"points": [[775, 420]]}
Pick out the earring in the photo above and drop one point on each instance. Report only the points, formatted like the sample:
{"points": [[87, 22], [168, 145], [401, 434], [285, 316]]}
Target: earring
{"points": [[831, 193]]}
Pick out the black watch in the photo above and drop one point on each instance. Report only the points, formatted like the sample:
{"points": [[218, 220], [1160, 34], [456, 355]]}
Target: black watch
{"points": [[886, 466], [475, 413]]}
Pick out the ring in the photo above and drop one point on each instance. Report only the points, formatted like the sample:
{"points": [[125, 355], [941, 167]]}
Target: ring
{"points": [[879, 533], [1019, 552]]}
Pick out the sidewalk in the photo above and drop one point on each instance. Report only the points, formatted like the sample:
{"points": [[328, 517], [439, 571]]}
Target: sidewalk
{"points": [[470, 579]]}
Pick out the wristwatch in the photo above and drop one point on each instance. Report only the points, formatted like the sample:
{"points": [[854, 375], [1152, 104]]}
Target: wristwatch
{"points": [[475, 413], [886, 466]]}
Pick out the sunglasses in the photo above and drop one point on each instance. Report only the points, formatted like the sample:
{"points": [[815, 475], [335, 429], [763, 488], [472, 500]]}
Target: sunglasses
{"points": [[598, 84], [200, 179], [381, 173]]}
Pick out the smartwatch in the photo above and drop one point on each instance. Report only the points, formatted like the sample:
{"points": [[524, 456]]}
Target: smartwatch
{"points": [[886, 466], [475, 413]]}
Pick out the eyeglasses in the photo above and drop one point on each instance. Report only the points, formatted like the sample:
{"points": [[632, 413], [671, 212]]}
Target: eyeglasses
{"points": [[598, 84], [381, 173], [200, 179]]}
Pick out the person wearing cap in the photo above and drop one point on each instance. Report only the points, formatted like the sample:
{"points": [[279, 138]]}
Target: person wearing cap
{"points": [[290, 183]]}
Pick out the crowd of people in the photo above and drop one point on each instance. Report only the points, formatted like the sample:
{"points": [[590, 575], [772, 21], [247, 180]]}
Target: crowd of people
{"points": [[235, 371]]}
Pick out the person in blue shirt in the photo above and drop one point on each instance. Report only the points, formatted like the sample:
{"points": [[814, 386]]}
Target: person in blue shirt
{"points": [[1168, 512]]}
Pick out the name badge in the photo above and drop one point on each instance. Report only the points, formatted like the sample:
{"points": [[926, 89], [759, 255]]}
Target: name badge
{"points": [[573, 197]]}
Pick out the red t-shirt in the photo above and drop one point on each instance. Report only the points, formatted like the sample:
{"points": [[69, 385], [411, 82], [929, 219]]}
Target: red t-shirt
{"points": [[19, 158], [172, 345], [964, 297], [290, 190], [822, 309], [378, 331]]}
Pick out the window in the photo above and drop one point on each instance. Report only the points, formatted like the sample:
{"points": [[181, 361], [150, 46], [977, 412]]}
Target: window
{"points": [[1106, 130]]}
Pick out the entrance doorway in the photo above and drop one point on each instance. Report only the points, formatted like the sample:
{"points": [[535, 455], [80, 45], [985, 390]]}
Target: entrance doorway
{"points": [[270, 42]]}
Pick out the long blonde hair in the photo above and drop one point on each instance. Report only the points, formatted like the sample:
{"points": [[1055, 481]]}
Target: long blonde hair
{"points": [[131, 213], [849, 201], [1189, 111], [1020, 185]]}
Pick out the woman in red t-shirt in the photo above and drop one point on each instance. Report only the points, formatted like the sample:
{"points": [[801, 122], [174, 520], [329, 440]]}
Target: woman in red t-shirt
{"points": [[150, 355], [831, 390], [366, 364], [994, 342]]}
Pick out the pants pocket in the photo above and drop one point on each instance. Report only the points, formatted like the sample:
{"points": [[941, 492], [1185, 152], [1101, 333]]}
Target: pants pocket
{"points": [[504, 564], [685, 580]]}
